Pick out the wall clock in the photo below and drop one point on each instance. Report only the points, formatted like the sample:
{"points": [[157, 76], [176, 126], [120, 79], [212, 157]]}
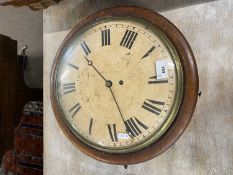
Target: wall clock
{"points": [[124, 85]]}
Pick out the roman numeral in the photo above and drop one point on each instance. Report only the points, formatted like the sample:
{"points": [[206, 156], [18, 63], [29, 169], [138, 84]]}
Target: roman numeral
{"points": [[134, 126], [149, 52], [68, 88], [85, 48], [152, 106], [90, 125], [105, 37], [73, 111], [112, 132], [128, 39], [154, 80], [73, 66]]}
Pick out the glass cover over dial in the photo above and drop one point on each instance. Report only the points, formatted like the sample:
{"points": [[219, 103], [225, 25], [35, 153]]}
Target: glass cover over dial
{"points": [[119, 84]]}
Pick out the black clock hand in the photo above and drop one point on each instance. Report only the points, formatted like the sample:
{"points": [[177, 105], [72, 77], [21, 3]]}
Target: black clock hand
{"points": [[127, 129], [108, 84], [116, 104], [90, 63]]}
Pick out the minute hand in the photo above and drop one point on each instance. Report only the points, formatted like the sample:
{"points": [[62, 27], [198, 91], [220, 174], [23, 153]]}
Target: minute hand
{"points": [[108, 84], [126, 126], [117, 104]]}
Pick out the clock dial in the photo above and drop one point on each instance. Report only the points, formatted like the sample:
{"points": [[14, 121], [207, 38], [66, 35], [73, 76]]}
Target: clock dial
{"points": [[119, 84]]}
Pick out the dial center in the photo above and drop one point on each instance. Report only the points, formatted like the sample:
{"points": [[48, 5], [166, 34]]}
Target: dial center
{"points": [[108, 83]]}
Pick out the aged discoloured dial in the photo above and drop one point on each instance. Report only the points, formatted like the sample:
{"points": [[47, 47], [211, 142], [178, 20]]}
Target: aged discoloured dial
{"points": [[117, 85]]}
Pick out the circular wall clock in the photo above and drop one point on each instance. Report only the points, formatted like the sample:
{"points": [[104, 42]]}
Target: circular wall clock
{"points": [[124, 85]]}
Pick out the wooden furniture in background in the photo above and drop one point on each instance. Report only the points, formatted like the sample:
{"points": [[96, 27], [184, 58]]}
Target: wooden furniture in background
{"points": [[14, 94], [26, 157], [33, 4]]}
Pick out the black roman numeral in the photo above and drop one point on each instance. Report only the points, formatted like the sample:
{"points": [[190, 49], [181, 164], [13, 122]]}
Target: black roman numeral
{"points": [[154, 80], [73, 111], [85, 48], [73, 66], [105, 35], [112, 132], [134, 126], [149, 52], [90, 125], [128, 39], [151, 106], [68, 88]]}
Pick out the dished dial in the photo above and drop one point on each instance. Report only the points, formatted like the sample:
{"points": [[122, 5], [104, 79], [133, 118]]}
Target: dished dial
{"points": [[117, 85]]}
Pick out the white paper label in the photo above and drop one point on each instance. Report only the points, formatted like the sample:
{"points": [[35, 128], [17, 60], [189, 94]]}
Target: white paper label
{"points": [[122, 136], [161, 69]]}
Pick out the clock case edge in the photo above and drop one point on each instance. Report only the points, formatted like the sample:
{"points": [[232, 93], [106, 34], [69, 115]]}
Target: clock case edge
{"points": [[190, 87]]}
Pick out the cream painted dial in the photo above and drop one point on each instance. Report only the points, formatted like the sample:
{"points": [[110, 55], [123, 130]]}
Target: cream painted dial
{"points": [[117, 84]]}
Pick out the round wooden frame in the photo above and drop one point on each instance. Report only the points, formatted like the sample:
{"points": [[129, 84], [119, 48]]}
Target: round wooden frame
{"points": [[190, 88]]}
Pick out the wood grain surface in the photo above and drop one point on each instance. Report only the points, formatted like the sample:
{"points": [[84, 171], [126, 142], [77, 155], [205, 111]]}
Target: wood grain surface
{"points": [[206, 146]]}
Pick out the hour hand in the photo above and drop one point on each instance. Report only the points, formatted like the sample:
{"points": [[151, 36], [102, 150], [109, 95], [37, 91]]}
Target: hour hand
{"points": [[90, 63]]}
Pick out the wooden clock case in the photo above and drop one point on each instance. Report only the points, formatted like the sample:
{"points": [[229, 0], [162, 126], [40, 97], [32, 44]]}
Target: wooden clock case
{"points": [[190, 87]]}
